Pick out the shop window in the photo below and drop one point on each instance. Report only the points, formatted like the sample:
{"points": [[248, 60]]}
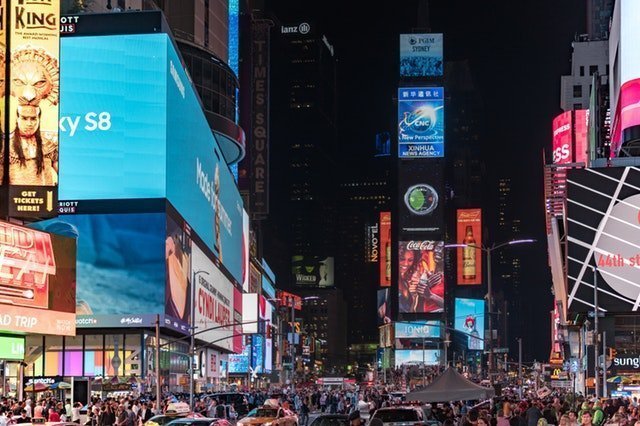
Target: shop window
{"points": [[93, 355], [133, 355], [73, 356], [53, 356], [114, 355], [34, 348]]}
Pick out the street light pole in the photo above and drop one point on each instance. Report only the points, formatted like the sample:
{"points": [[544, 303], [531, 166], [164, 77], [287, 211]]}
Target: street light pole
{"points": [[520, 367]]}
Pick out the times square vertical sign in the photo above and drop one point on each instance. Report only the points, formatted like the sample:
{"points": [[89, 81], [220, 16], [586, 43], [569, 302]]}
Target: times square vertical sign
{"points": [[30, 52]]}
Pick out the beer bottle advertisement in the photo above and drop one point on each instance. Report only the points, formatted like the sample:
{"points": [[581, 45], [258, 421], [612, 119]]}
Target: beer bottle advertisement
{"points": [[469, 234]]}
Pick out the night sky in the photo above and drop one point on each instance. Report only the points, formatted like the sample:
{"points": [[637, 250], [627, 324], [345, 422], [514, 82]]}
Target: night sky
{"points": [[517, 52]]}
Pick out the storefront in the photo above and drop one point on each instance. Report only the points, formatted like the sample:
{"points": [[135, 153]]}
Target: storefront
{"points": [[11, 356]]}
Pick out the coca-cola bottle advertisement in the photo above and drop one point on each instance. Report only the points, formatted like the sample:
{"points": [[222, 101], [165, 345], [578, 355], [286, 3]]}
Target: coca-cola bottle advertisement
{"points": [[421, 276]]}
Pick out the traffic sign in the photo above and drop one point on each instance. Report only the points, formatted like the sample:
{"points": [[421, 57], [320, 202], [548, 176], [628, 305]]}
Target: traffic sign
{"points": [[592, 314]]}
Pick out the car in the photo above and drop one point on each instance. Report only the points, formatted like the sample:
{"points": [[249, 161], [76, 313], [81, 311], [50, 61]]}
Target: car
{"points": [[400, 416], [174, 411], [269, 416], [199, 421], [238, 399], [331, 420]]}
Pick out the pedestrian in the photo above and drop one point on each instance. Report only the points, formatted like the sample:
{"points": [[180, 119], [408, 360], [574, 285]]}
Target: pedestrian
{"points": [[304, 413]]}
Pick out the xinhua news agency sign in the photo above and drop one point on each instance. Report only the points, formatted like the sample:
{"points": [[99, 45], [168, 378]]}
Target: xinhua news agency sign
{"points": [[626, 362]]}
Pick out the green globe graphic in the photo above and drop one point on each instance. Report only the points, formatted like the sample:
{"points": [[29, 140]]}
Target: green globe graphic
{"points": [[421, 199]]}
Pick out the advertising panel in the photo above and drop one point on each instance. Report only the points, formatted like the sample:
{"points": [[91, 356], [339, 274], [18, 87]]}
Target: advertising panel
{"points": [[268, 280], [257, 354], [469, 319], [372, 243], [570, 137], [312, 271], [114, 146], [254, 279], [37, 281], [250, 313], [407, 357], [287, 298], [11, 348], [34, 87], [385, 249], [418, 329], [420, 122], [246, 258], [603, 232], [178, 253], [386, 335], [239, 363], [421, 55], [421, 196], [384, 308], [268, 345], [421, 276], [469, 232], [237, 321], [214, 301]]}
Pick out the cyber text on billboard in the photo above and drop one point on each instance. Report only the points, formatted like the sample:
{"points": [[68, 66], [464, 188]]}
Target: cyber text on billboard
{"points": [[469, 233], [421, 122], [420, 276]]}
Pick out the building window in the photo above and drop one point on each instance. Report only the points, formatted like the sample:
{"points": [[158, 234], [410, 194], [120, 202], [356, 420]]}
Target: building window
{"points": [[593, 69], [577, 91], [577, 106], [581, 70]]}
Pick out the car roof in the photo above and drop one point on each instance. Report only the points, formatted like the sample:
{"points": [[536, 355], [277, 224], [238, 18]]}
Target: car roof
{"points": [[332, 416], [190, 419], [399, 407]]}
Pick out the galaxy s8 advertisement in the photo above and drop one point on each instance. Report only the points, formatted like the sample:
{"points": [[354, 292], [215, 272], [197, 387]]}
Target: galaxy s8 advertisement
{"points": [[420, 122], [421, 196], [132, 128]]}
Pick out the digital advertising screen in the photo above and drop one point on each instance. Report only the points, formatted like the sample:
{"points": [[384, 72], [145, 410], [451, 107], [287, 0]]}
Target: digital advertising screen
{"points": [[268, 280], [250, 313], [213, 301], [178, 282], [34, 89], [11, 348], [246, 258], [418, 329], [37, 281], [237, 320], [421, 196], [421, 276], [469, 232], [421, 55], [239, 363], [384, 308], [116, 144], [603, 232], [469, 319], [257, 353], [408, 357], [385, 249], [313, 271], [570, 137], [420, 122], [268, 342]]}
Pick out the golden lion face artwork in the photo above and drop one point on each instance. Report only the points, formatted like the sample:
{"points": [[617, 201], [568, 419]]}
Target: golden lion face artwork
{"points": [[35, 76]]}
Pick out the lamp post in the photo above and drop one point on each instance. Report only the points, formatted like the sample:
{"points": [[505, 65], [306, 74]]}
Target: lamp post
{"points": [[192, 347], [489, 250]]}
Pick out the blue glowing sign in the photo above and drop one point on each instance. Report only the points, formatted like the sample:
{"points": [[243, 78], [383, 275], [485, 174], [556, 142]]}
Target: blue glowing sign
{"points": [[470, 320], [420, 122]]}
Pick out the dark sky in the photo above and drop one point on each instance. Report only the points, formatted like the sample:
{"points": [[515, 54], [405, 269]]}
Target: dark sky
{"points": [[517, 52]]}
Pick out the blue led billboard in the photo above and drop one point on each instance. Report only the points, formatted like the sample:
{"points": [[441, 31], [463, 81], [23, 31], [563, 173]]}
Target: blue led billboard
{"points": [[239, 363], [418, 329], [470, 320], [132, 127], [420, 122], [268, 280], [421, 55]]}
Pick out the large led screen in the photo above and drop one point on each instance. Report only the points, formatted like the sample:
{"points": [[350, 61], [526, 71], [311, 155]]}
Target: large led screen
{"points": [[178, 259], [570, 133], [603, 208], [421, 55], [37, 281], [420, 276], [408, 357], [213, 301], [469, 233], [119, 138], [239, 363], [384, 308], [420, 122], [312, 271], [469, 319], [421, 196], [418, 329]]}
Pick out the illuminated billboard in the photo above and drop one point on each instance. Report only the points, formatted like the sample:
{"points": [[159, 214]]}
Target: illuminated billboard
{"points": [[213, 301], [408, 357], [246, 257], [250, 313], [239, 362], [420, 122], [237, 320], [418, 329], [421, 196], [286, 299], [268, 280], [469, 319], [372, 243], [178, 258], [37, 281], [34, 88], [384, 308], [469, 232], [421, 55], [312, 271], [570, 137], [603, 232], [420, 276], [11, 348], [385, 249], [119, 145]]}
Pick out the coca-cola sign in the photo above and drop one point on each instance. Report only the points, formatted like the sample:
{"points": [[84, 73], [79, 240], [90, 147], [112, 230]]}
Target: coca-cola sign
{"points": [[421, 245], [421, 276]]}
